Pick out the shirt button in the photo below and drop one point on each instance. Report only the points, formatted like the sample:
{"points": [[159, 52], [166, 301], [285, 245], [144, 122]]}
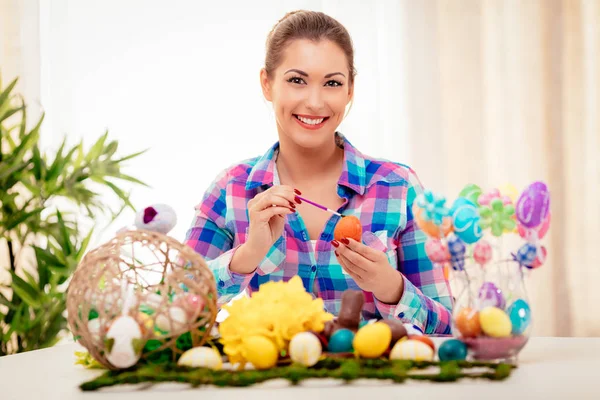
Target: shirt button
{"points": [[221, 283], [401, 315], [313, 268]]}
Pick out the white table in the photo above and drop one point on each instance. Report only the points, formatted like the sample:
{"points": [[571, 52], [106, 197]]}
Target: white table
{"points": [[550, 368]]}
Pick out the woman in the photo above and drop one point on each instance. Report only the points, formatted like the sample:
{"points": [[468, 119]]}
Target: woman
{"points": [[252, 228]]}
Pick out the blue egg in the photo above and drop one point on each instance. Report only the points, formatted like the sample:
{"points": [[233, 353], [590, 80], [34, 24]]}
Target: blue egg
{"points": [[465, 217], [341, 341], [520, 316], [452, 349]]}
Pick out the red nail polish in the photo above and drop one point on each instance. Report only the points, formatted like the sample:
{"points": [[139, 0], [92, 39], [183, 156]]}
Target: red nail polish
{"points": [[292, 204], [345, 241], [298, 200], [335, 243], [292, 209], [336, 254], [297, 192]]}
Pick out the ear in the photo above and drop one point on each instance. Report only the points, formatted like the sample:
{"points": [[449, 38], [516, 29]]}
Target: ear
{"points": [[265, 84], [350, 94]]}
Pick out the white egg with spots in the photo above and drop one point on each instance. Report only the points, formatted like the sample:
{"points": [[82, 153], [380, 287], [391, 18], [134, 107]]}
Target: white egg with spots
{"points": [[124, 342], [407, 349], [176, 320], [201, 357], [157, 218], [305, 348]]}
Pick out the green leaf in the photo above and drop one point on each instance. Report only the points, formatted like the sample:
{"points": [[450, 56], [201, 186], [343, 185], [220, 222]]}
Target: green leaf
{"points": [[129, 157], [108, 344], [4, 95], [29, 294], [8, 168], [119, 193], [58, 163], [84, 245], [30, 279], [65, 241], [130, 179], [96, 149], [13, 223], [10, 112], [4, 301]]}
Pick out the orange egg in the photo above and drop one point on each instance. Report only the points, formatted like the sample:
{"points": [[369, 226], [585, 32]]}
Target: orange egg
{"points": [[423, 339], [429, 227], [467, 322], [348, 227]]}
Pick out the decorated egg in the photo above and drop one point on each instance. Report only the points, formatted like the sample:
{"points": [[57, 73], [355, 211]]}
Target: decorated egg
{"points": [[490, 295], [457, 250], [372, 340], [145, 321], [260, 351], [540, 259], [466, 220], [482, 253], [191, 303], [305, 348], [201, 357], [533, 205], [520, 316], [429, 227], [124, 342], [452, 349], [436, 250], [176, 321], [407, 349], [494, 322], [348, 227], [341, 341], [467, 322], [424, 339]]}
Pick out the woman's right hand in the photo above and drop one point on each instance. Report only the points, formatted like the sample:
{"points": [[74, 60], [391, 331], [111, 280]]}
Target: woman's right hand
{"points": [[266, 212]]}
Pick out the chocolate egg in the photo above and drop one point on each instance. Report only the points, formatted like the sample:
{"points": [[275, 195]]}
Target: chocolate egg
{"points": [[372, 340], [305, 348], [494, 322], [341, 341], [452, 349], [205, 357], [408, 349], [467, 323], [398, 329]]}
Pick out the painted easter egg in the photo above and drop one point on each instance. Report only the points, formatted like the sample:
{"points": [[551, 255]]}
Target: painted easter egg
{"points": [[305, 348], [495, 322], [533, 205], [491, 295], [429, 227], [520, 316], [424, 339], [201, 357], [341, 341], [123, 342], [372, 340], [452, 349], [465, 217], [260, 351], [348, 227], [407, 349], [482, 253], [467, 323], [436, 250]]}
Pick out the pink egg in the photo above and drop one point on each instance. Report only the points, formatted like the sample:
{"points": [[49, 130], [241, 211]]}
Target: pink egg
{"points": [[436, 250], [482, 252]]}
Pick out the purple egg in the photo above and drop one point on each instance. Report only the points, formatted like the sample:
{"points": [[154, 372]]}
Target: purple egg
{"points": [[490, 295], [533, 205]]}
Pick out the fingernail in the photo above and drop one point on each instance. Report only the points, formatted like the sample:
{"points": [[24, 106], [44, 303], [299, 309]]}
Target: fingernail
{"points": [[292, 204], [336, 254], [335, 243], [292, 209], [298, 200], [297, 192], [345, 241]]}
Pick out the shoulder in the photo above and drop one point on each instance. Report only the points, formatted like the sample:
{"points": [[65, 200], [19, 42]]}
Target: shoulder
{"points": [[379, 170], [236, 173]]}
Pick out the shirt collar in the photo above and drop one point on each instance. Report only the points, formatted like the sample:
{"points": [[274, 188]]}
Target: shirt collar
{"points": [[353, 173]]}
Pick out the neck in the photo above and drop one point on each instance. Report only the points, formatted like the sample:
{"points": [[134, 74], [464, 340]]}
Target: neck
{"points": [[305, 165]]}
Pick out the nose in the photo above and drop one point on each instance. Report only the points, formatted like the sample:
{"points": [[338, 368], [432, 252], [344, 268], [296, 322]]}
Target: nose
{"points": [[315, 100]]}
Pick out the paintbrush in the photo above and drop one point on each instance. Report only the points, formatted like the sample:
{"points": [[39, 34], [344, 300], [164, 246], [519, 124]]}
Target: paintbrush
{"points": [[321, 207]]}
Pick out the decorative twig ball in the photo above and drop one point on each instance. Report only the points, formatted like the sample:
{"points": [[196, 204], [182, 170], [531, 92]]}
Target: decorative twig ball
{"points": [[143, 295]]}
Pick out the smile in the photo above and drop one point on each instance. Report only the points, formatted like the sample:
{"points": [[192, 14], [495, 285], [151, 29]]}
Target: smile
{"points": [[311, 122]]}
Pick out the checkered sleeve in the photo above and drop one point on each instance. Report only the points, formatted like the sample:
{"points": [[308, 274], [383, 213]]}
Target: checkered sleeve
{"points": [[209, 237], [427, 300]]}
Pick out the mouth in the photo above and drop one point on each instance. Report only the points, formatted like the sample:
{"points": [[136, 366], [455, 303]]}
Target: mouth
{"points": [[310, 122]]}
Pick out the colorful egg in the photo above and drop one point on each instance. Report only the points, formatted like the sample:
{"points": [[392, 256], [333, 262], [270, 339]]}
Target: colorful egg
{"points": [[467, 323], [520, 316], [348, 227], [494, 322], [424, 339], [407, 349], [341, 341], [452, 349], [260, 351], [429, 227], [457, 250], [533, 205], [201, 357], [372, 340], [466, 220], [482, 253], [305, 348], [437, 251], [490, 296]]}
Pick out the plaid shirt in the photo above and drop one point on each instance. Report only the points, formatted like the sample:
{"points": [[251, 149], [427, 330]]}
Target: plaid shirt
{"points": [[379, 192]]}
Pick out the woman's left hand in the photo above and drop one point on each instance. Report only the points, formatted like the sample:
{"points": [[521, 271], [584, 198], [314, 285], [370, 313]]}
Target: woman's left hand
{"points": [[370, 269]]}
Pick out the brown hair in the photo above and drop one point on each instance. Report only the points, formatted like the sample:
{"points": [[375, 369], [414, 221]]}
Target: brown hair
{"points": [[312, 25]]}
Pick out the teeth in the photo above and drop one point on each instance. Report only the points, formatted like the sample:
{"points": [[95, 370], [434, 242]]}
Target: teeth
{"points": [[310, 121]]}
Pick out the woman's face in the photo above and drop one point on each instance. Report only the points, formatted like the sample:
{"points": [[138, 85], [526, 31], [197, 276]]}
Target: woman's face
{"points": [[310, 91]]}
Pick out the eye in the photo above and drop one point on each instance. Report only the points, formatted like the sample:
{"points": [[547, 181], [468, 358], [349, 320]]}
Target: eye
{"points": [[333, 83], [297, 80]]}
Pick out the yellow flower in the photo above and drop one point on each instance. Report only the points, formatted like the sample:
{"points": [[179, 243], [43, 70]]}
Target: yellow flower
{"points": [[277, 311]]}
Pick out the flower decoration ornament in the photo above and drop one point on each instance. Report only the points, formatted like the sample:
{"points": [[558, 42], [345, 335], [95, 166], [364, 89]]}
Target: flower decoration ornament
{"points": [[434, 207], [497, 216]]}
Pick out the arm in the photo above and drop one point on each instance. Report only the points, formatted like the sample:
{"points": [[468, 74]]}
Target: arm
{"points": [[426, 300]]}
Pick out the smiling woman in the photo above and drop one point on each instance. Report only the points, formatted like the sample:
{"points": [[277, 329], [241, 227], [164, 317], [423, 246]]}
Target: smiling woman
{"points": [[252, 227]]}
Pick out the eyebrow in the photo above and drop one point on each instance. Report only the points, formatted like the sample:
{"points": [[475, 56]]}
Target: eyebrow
{"points": [[306, 75]]}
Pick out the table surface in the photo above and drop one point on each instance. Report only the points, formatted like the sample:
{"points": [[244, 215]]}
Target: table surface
{"points": [[549, 368]]}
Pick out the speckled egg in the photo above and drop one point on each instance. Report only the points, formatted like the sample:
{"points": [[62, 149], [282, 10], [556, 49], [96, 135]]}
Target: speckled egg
{"points": [[452, 349], [260, 351], [305, 348], [408, 349], [201, 357], [467, 323], [372, 340], [341, 341], [495, 322]]}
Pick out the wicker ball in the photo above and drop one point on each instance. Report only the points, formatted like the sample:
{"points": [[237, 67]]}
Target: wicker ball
{"points": [[173, 295]]}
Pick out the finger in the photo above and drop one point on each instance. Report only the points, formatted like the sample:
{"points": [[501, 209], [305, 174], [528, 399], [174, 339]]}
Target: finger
{"points": [[285, 191], [367, 252], [271, 200], [347, 266], [266, 215], [356, 259]]}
